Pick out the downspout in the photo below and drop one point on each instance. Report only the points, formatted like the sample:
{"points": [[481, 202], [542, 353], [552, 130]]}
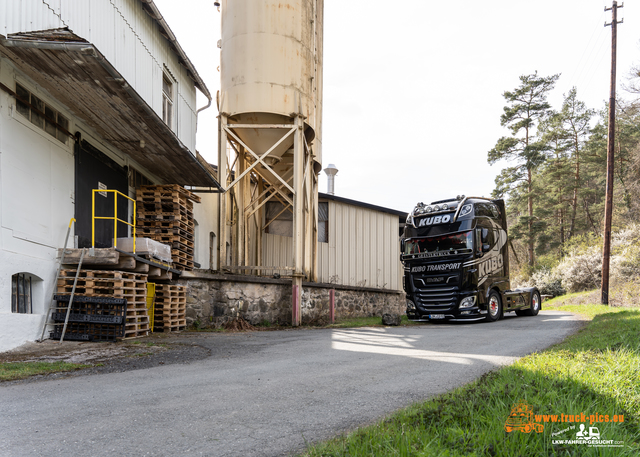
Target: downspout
{"points": [[202, 109], [157, 16]]}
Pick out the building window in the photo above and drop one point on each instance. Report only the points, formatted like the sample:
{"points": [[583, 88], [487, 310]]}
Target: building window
{"points": [[213, 247], [323, 222], [167, 101], [21, 292], [279, 219], [137, 179], [41, 115]]}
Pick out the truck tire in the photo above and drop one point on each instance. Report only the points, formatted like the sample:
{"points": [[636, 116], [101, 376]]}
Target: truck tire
{"points": [[534, 306], [494, 307]]}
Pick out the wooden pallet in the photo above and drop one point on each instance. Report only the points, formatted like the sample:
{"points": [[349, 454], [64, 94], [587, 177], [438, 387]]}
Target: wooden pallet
{"points": [[99, 283], [165, 214], [102, 274], [183, 266], [94, 283], [176, 241], [162, 215], [165, 231], [171, 187], [170, 308], [157, 203], [187, 226], [145, 218], [137, 321], [117, 284], [172, 206]]}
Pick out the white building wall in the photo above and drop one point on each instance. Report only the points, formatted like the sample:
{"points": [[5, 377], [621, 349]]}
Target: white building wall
{"points": [[363, 249], [128, 38], [37, 184], [36, 205], [205, 214]]}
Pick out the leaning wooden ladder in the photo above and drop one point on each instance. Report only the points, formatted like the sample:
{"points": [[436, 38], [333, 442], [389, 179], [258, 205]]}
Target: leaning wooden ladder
{"points": [[52, 301]]}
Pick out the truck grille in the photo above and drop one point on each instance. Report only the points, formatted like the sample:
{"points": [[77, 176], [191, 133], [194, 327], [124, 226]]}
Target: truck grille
{"points": [[436, 296]]}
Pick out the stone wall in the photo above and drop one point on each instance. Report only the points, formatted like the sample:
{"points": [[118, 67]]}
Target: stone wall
{"points": [[213, 300]]}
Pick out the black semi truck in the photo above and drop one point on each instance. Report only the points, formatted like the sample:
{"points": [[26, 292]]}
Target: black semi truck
{"points": [[456, 263]]}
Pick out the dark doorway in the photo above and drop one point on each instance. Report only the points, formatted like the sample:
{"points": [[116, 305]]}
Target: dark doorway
{"points": [[94, 170]]}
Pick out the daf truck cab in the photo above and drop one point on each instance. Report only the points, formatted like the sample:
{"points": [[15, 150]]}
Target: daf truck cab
{"points": [[456, 263]]}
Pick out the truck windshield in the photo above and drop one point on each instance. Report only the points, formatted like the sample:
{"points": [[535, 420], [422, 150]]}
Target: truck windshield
{"points": [[456, 241]]}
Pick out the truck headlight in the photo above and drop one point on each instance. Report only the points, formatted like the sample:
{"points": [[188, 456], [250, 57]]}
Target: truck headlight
{"points": [[467, 302], [411, 306]]}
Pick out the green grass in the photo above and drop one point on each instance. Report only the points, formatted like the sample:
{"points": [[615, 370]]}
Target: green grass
{"points": [[11, 371], [595, 371]]}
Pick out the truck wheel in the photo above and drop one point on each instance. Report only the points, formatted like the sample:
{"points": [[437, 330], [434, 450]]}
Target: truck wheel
{"points": [[534, 306], [494, 307]]}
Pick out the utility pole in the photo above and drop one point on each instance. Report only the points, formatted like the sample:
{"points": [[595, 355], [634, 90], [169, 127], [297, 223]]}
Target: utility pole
{"points": [[608, 209]]}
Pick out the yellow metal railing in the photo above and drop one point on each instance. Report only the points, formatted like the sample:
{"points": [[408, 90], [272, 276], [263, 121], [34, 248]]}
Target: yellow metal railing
{"points": [[114, 217]]}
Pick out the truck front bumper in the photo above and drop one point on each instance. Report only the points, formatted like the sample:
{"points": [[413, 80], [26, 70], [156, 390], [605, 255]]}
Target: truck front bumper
{"points": [[416, 314]]}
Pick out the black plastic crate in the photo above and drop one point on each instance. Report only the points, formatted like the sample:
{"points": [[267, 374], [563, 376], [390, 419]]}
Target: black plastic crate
{"points": [[88, 332], [90, 318]]}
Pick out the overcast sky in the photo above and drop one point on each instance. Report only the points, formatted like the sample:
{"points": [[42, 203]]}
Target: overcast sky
{"points": [[413, 89]]}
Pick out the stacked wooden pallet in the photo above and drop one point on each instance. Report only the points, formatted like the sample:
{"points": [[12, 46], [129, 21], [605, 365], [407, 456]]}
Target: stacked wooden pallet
{"points": [[165, 214], [113, 283], [170, 308]]}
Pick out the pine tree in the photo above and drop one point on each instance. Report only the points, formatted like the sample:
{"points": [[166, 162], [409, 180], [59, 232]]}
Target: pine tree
{"points": [[566, 133], [526, 106]]}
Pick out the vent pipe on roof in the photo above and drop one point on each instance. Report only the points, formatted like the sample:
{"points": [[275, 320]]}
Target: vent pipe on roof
{"points": [[331, 172]]}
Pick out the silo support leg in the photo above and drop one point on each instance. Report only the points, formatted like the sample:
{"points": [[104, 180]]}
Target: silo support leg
{"points": [[298, 218], [297, 297], [223, 197]]}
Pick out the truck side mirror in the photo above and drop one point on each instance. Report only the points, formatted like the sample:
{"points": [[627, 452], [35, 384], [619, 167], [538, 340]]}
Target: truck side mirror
{"points": [[402, 246]]}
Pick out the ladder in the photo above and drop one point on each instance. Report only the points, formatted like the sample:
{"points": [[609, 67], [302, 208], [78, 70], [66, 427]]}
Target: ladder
{"points": [[52, 301]]}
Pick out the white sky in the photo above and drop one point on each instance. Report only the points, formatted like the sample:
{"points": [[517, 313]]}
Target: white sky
{"points": [[413, 89]]}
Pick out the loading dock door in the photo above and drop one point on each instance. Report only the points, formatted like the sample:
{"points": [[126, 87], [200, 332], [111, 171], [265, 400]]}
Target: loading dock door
{"points": [[94, 170]]}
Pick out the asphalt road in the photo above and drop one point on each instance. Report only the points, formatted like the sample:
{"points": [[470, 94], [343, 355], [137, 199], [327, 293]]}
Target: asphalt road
{"points": [[262, 393]]}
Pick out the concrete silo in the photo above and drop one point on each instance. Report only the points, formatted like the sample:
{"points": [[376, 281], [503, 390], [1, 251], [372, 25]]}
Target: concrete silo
{"points": [[270, 129]]}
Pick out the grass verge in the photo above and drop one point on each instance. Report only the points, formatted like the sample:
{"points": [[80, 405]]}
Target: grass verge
{"points": [[11, 371], [595, 372]]}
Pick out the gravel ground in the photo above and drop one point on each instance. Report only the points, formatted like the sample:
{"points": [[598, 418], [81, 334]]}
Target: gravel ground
{"points": [[107, 357]]}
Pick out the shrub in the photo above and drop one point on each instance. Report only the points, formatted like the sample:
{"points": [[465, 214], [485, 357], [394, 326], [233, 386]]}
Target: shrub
{"points": [[581, 271], [625, 247], [546, 280]]}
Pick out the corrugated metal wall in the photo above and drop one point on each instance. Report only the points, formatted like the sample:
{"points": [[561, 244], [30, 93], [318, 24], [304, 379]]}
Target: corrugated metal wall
{"points": [[363, 249], [29, 15], [128, 38], [277, 251]]}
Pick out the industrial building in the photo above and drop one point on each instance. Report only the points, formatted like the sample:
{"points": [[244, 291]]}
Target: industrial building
{"points": [[93, 95], [98, 97]]}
